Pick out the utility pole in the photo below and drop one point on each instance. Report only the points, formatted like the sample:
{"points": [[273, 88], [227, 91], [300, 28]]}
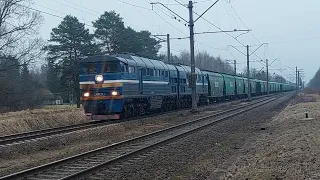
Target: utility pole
{"points": [[235, 67], [193, 66], [248, 74], [267, 76], [168, 46], [248, 68], [191, 26]]}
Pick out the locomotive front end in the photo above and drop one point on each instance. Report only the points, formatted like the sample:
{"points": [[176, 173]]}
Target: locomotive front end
{"points": [[101, 92]]}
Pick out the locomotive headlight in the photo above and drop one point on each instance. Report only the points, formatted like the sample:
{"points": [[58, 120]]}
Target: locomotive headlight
{"points": [[86, 94], [114, 93], [99, 78]]}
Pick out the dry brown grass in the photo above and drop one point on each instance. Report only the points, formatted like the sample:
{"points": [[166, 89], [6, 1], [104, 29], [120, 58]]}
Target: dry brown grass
{"points": [[289, 150], [311, 90], [47, 117]]}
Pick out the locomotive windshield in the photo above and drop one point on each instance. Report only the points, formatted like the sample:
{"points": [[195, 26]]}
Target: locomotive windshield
{"points": [[89, 68], [110, 66]]}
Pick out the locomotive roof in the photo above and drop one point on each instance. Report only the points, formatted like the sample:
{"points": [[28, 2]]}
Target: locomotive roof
{"points": [[148, 63], [99, 58], [155, 64], [187, 69]]}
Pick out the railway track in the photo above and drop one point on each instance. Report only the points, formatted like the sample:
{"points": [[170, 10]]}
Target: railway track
{"points": [[32, 135], [16, 138], [79, 166]]}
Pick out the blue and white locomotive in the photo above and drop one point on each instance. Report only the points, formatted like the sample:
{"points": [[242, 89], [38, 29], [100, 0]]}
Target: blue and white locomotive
{"points": [[123, 85]]}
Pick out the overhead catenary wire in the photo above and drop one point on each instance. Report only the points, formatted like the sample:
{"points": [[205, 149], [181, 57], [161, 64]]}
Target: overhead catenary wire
{"points": [[242, 21], [137, 8], [54, 15], [76, 8], [54, 11], [247, 27], [135, 5], [97, 14]]}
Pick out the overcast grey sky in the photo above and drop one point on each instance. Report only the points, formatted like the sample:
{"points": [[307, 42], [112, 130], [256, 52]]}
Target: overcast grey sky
{"points": [[291, 27]]}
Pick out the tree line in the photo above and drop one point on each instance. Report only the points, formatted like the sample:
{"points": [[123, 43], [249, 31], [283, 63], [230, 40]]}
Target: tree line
{"points": [[315, 81], [21, 49]]}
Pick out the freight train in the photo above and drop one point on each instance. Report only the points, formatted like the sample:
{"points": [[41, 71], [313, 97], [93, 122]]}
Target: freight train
{"points": [[124, 85]]}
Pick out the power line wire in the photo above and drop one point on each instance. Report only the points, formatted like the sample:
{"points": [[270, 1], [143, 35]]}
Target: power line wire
{"points": [[169, 23], [206, 10], [135, 5], [242, 21], [75, 8], [80, 6]]}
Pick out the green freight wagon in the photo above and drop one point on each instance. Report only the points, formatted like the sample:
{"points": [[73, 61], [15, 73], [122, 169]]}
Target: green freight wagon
{"points": [[253, 83], [240, 89], [215, 86], [229, 83], [263, 87]]}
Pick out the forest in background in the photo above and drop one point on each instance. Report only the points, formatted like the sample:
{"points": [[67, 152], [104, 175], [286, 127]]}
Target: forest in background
{"points": [[23, 86], [314, 84]]}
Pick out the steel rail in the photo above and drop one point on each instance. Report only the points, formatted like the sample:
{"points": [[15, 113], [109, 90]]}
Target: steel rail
{"points": [[21, 137]]}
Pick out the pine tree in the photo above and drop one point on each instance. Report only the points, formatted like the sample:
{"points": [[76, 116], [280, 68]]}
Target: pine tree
{"points": [[114, 37], [70, 42]]}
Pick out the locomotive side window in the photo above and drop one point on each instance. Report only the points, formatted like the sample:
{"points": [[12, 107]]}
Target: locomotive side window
{"points": [[110, 66], [174, 89], [89, 68], [144, 72], [131, 69], [151, 72], [166, 73], [123, 67]]}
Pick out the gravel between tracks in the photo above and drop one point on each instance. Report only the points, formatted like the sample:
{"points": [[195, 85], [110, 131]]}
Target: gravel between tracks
{"points": [[207, 154], [18, 157]]}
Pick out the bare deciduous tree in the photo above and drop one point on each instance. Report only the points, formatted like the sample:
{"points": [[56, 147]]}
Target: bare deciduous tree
{"points": [[19, 26]]}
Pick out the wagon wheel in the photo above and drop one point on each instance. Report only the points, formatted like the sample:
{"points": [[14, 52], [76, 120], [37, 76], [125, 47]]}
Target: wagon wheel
{"points": [[134, 110], [165, 107], [125, 112]]}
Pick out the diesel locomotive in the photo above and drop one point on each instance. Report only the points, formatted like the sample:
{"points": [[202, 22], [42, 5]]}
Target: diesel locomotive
{"points": [[124, 85]]}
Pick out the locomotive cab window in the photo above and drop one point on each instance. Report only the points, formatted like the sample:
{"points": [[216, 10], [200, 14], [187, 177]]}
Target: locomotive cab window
{"points": [[89, 68], [110, 66]]}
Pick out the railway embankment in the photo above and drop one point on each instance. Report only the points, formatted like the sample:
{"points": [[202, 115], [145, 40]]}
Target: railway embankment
{"points": [[287, 149], [41, 118]]}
